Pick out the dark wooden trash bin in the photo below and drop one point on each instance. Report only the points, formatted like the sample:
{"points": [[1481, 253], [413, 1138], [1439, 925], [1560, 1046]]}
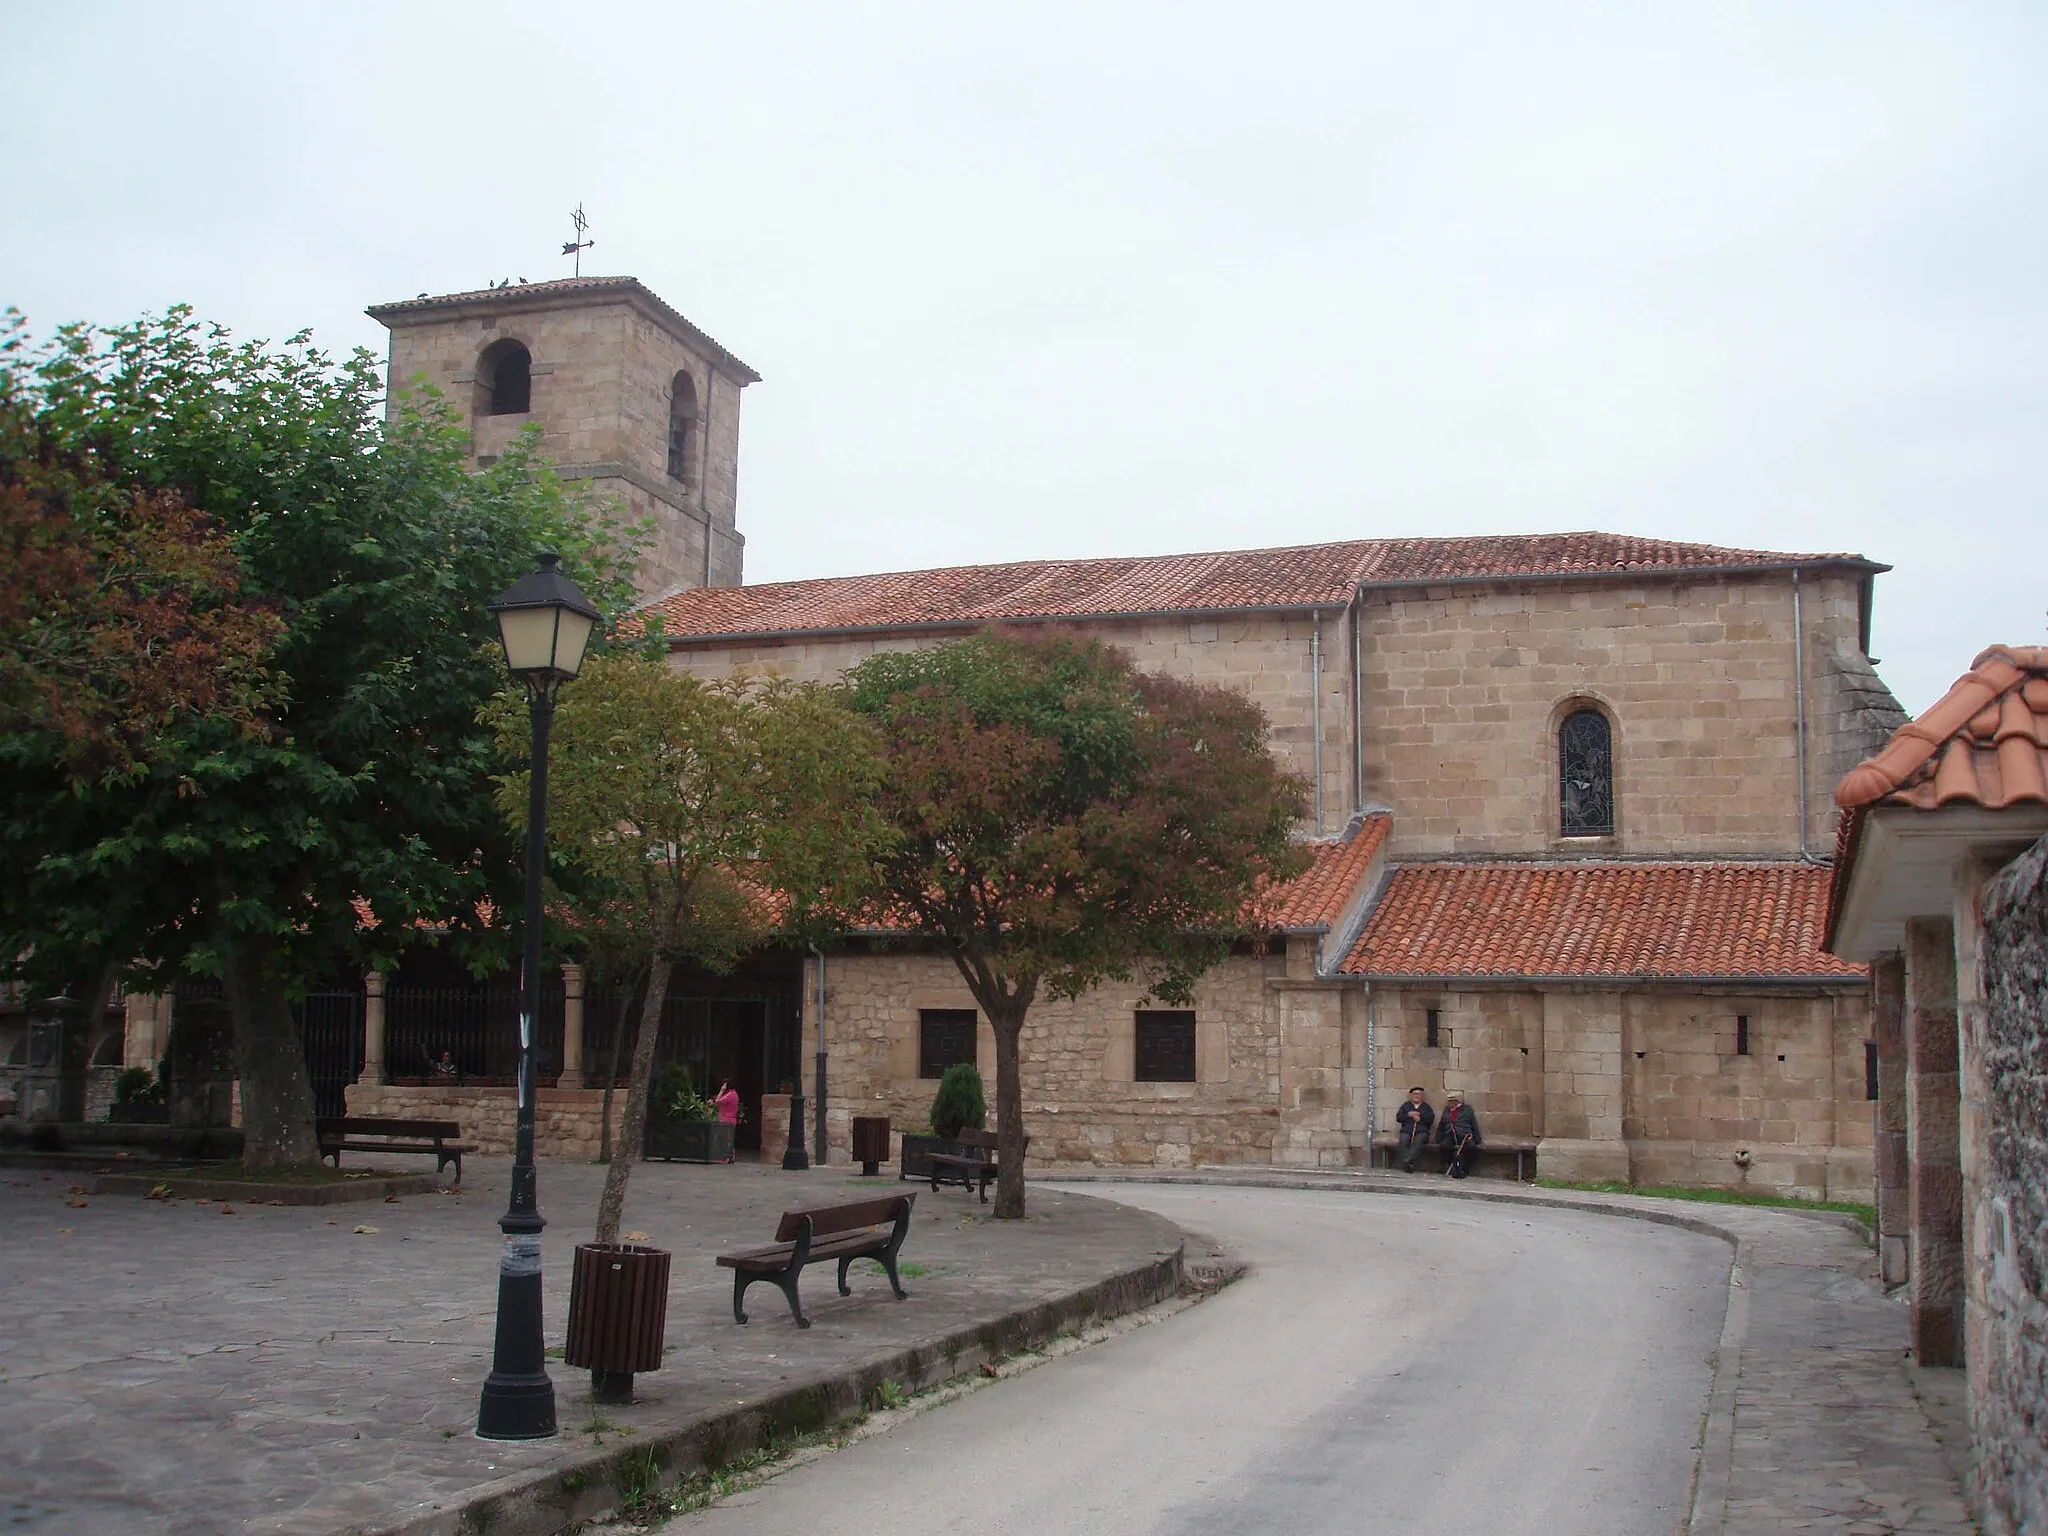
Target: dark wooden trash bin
{"points": [[870, 1142], [618, 1313]]}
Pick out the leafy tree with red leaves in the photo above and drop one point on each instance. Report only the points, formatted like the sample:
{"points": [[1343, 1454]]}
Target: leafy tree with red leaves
{"points": [[1062, 819]]}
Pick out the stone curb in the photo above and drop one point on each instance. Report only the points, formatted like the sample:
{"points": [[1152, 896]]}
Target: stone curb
{"points": [[254, 1192], [543, 1503], [1717, 1441]]}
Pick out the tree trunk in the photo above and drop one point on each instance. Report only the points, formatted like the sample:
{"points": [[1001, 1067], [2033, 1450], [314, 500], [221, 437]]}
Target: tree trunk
{"points": [[611, 1205], [611, 1076], [1006, 1018], [270, 1061]]}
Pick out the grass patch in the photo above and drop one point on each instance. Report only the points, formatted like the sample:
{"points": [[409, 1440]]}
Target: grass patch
{"points": [[1867, 1214], [907, 1271]]}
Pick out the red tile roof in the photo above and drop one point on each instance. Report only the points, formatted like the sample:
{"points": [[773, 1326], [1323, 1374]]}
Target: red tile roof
{"points": [[1318, 897], [559, 291], [1648, 922], [1310, 575], [1984, 743]]}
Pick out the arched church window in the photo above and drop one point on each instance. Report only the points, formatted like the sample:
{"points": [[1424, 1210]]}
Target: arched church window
{"points": [[1585, 775], [505, 372], [682, 426]]}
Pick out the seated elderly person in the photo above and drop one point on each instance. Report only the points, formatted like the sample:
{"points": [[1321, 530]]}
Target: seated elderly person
{"points": [[1457, 1134]]}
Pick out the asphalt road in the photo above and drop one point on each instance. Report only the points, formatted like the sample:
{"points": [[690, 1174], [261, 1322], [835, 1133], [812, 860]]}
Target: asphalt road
{"points": [[1389, 1365]]}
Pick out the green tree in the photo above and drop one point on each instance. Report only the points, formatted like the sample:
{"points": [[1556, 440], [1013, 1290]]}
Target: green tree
{"points": [[698, 818], [1063, 819], [354, 810]]}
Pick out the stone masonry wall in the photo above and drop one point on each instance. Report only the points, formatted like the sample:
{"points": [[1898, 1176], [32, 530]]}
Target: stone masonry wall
{"points": [[1267, 657], [1465, 688], [601, 383], [1651, 1073], [565, 1123], [1271, 1081], [2008, 1303], [1462, 690]]}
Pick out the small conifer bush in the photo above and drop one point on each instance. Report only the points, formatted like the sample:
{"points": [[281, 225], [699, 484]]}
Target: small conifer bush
{"points": [[958, 1103]]}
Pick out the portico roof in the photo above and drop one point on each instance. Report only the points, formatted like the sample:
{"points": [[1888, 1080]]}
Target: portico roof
{"points": [[1968, 777]]}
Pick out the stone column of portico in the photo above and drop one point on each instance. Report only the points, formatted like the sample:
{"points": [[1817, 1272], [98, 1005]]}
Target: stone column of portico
{"points": [[373, 1028], [572, 1028], [1891, 1163], [143, 1035], [1933, 1143]]}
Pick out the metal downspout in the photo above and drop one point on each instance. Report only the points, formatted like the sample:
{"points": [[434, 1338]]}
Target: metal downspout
{"points": [[1357, 702], [1315, 651], [704, 477], [1799, 690]]}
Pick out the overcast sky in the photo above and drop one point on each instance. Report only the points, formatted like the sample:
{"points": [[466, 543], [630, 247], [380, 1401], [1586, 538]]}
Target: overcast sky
{"points": [[1045, 280]]}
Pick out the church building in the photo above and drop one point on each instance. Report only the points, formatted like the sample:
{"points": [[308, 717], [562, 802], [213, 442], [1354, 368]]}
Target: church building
{"points": [[1570, 794]]}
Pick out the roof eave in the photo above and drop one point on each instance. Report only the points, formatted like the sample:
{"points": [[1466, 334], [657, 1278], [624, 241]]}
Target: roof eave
{"points": [[970, 625], [1855, 563], [1647, 979], [535, 296]]}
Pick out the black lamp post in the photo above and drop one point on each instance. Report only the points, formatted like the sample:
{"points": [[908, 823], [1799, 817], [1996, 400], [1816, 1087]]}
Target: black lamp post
{"points": [[544, 623]]}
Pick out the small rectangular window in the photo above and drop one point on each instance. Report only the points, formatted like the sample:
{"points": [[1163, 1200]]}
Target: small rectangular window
{"points": [[945, 1037], [1870, 1069], [1164, 1047], [1432, 1030], [1742, 1034]]}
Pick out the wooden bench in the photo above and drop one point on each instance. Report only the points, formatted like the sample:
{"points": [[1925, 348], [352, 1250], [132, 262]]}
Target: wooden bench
{"points": [[976, 1165], [359, 1133], [1521, 1148], [842, 1232]]}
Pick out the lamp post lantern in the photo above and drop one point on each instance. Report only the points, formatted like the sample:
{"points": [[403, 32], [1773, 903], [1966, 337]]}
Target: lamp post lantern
{"points": [[544, 623]]}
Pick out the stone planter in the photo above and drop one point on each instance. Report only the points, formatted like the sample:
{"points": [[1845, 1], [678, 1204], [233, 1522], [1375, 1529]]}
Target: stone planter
{"points": [[687, 1141], [137, 1113], [917, 1153], [618, 1314]]}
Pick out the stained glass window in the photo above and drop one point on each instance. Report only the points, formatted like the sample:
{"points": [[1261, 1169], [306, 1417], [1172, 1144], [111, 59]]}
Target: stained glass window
{"points": [[1585, 775]]}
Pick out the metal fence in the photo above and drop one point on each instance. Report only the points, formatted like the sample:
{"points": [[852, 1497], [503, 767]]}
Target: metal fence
{"points": [[467, 1034]]}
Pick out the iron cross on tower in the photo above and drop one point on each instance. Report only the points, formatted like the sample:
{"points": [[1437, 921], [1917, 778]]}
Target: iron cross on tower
{"points": [[579, 245]]}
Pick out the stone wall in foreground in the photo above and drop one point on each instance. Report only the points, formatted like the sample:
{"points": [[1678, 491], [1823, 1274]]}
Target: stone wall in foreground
{"points": [[565, 1120], [2007, 1329]]}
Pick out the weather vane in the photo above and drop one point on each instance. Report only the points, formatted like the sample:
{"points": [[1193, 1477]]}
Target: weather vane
{"points": [[579, 245]]}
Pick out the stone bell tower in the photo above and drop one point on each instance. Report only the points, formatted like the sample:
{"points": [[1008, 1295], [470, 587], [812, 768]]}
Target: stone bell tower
{"points": [[629, 395]]}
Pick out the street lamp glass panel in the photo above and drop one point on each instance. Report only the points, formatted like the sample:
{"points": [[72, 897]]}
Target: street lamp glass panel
{"points": [[530, 636], [571, 636]]}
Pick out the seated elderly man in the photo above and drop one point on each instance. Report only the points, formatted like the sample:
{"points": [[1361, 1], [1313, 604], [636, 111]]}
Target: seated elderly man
{"points": [[1457, 1134], [1415, 1118]]}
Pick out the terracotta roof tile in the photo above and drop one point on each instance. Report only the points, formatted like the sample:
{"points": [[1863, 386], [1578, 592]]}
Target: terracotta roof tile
{"points": [[1313, 575], [1635, 921], [1985, 742], [1318, 897]]}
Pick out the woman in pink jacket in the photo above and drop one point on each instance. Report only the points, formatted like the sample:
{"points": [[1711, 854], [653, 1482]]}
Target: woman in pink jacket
{"points": [[728, 1105]]}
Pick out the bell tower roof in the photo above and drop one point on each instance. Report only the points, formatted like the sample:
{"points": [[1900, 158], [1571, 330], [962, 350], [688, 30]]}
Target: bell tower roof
{"points": [[559, 294]]}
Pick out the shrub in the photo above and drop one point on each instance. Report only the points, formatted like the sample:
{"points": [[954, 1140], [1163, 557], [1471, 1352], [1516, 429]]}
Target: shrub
{"points": [[138, 1085], [674, 1096], [958, 1103]]}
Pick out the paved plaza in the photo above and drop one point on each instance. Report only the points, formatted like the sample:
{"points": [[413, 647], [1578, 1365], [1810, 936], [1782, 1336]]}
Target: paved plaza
{"points": [[170, 1370]]}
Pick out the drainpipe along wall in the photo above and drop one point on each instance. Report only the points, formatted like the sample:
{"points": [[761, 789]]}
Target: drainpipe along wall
{"points": [[1799, 693], [1315, 652]]}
